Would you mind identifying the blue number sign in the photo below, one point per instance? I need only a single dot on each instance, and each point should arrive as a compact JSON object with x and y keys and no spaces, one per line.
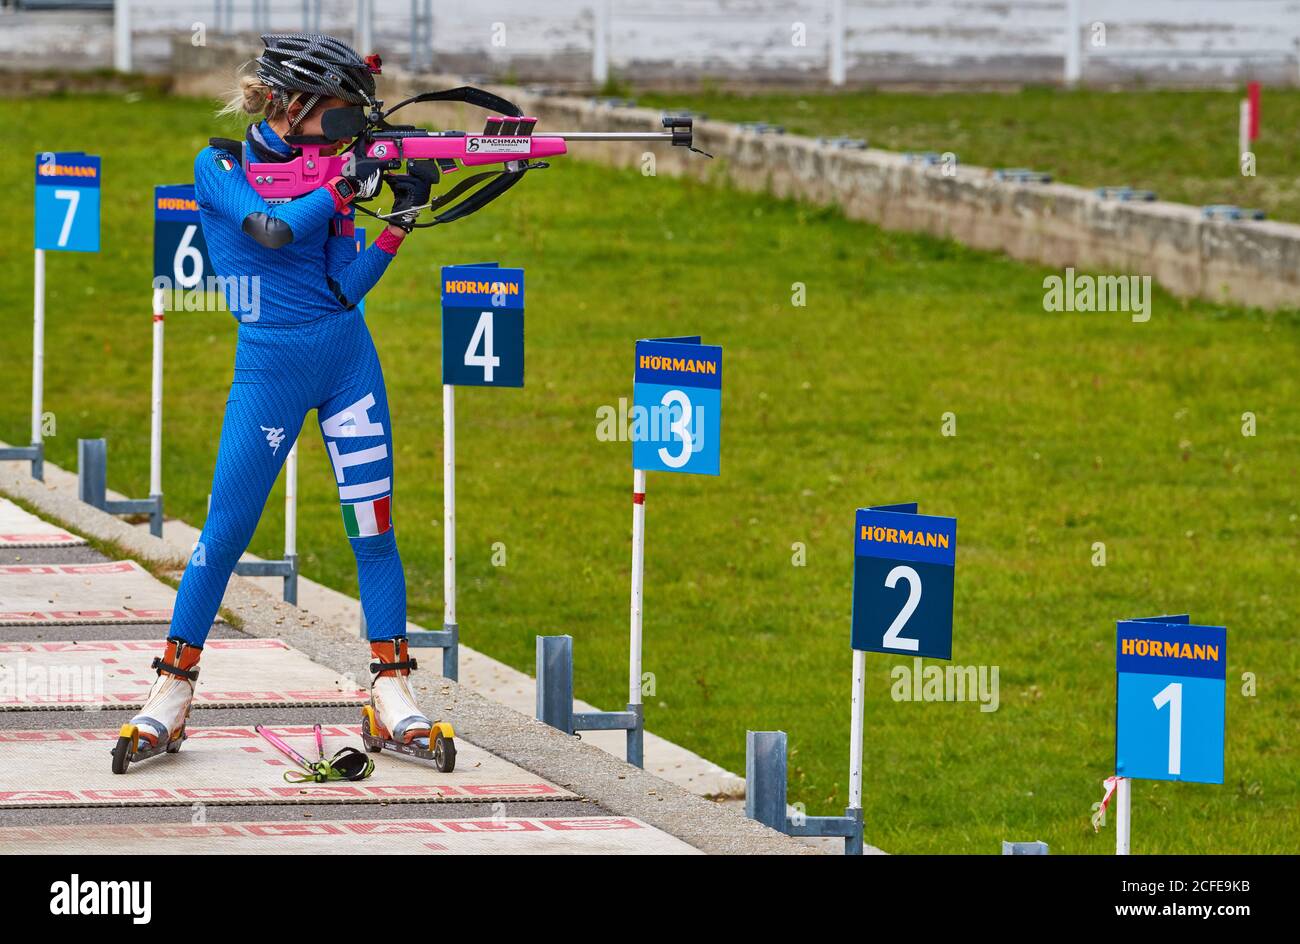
{"x":180,"y":253}
{"x":482,"y":326}
{"x":677,"y":406}
{"x":67,"y":201}
{"x":903,"y":567}
{"x":1169,"y":716}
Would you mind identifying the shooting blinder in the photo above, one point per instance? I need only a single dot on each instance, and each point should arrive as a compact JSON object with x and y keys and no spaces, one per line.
{"x":340,"y":124}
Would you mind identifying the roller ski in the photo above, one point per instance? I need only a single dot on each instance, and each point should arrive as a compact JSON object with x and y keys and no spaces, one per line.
{"x":392,"y":720}
{"x":160,"y":726}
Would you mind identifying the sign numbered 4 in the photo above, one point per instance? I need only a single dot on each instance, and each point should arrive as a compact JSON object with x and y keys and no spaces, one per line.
{"x":180,"y":253}
{"x":67,"y":201}
{"x":677,"y":406}
{"x":1170,"y":693}
{"x":903,"y":566}
{"x":482,"y":326}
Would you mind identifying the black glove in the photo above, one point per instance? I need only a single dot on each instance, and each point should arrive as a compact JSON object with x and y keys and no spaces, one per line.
{"x":367,"y":176}
{"x":361,"y":184}
{"x":410,"y":195}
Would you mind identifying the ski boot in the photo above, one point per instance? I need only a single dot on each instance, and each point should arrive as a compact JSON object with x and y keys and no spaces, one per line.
{"x":160,"y":725}
{"x":392,"y":720}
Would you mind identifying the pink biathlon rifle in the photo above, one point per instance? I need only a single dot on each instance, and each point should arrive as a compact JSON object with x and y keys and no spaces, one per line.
{"x":507,"y":139}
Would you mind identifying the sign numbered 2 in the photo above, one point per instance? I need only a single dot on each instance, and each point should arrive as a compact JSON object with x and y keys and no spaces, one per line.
{"x":67,"y":201}
{"x":677,"y":406}
{"x":903,"y":566}
{"x":482,"y":326}
{"x":1170,"y":693}
{"x":180,"y":253}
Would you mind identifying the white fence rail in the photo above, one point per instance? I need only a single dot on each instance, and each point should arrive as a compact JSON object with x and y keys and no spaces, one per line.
{"x":814,"y":41}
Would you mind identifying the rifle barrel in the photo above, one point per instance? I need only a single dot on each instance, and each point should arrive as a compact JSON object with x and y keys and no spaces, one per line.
{"x":608,"y":135}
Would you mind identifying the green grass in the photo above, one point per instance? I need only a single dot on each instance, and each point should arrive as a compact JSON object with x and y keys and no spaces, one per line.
{"x":1072,"y":428}
{"x":1181,"y":144}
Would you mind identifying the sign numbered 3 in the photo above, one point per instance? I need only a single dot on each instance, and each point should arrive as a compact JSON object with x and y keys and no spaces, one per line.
{"x":903,"y":566}
{"x":482,"y":326}
{"x":67,"y":201}
{"x":180,"y":253}
{"x":677,"y":406}
{"x":1170,"y":693}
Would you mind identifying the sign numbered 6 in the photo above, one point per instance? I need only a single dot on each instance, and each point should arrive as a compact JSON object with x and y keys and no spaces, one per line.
{"x":677,"y":406}
{"x":180,"y":253}
{"x":1170,"y":693}
{"x":482,"y":326}
{"x":903,"y":566}
{"x":67,"y":201}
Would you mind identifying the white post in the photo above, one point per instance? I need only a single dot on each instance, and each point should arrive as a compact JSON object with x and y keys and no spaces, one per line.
{"x":1243,"y":131}
{"x":837,"y":70}
{"x":365,"y":27}
{"x":600,"y":42}
{"x":1122,"y":820}
{"x":38,"y":346}
{"x":638,"y":577}
{"x":156,"y":400}
{"x":1073,"y":46}
{"x":855,"y":729}
{"x":448,"y":505}
{"x":122,"y":35}
{"x":291,"y":502}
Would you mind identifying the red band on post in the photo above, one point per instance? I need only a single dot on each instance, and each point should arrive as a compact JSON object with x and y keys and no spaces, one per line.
{"x":638,"y":498}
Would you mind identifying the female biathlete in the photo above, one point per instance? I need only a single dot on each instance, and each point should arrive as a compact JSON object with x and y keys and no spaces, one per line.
{"x":304,"y":346}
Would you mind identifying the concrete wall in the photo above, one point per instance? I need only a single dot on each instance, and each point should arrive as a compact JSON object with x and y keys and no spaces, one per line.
{"x":749,"y":41}
{"x":1247,"y":263}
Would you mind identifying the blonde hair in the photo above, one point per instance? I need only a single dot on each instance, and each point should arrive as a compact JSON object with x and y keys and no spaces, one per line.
{"x":252,"y":96}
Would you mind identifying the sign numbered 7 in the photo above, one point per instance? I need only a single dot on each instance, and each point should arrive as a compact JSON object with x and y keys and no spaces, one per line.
{"x":67,"y":201}
{"x":903,"y":567}
{"x":482,"y":326}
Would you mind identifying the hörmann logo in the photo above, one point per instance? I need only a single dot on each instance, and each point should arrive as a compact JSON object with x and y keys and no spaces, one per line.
{"x":66,"y":170}
{"x":903,"y":536}
{"x":178,"y":203}
{"x":1168,"y":649}
{"x":688,"y":365}
{"x":453,"y":286}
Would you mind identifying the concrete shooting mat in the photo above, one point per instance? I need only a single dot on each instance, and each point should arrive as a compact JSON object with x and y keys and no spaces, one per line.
{"x":71,"y":594}
{"x":234,"y":673}
{"x":235,"y":766}
{"x":19,"y":528}
{"x":587,"y":835}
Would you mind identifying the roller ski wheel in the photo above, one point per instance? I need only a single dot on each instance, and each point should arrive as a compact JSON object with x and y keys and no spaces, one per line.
{"x":127,"y":750}
{"x":373,"y":742}
{"x":441,"y":746}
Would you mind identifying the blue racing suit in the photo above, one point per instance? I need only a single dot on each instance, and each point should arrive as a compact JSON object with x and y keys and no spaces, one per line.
{"x":302,"y":345}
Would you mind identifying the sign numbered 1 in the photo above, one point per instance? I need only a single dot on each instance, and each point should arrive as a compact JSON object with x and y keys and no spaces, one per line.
{"x":1170,"y":693}
{"x":482,"y":326}
{"x":677,"y":406}
{"x":903,"y":566}
{"x":180,"y":253}
{"x":67,"y":201}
